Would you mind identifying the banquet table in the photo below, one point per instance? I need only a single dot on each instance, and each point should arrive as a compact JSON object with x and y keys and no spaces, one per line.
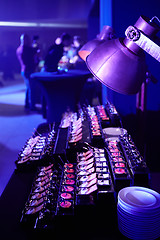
{"x":61,"y":90}
{"x":88,"y":223}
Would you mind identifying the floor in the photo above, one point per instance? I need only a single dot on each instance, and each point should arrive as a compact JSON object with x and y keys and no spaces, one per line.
{"x":16,"y":125}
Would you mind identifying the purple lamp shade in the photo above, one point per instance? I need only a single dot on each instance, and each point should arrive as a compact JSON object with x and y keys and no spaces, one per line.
{"x":107,"y":33}
{"x":120,"y":63}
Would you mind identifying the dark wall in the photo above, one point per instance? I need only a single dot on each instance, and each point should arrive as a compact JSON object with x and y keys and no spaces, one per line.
{"x":94,"y":20}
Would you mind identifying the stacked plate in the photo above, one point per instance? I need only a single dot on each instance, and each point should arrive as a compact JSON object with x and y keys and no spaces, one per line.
{"x":138,"y":212}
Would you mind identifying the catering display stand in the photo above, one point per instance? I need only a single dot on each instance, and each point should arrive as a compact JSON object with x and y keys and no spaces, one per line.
{"x":69,"y":191}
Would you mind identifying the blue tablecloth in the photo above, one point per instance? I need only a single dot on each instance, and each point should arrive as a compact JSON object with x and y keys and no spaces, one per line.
{"x":61,"y":90}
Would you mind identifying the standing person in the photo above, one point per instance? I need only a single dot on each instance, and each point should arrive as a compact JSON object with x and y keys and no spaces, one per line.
{"x":26,"y":56}
{"x":73,"y":56}
{"x":55,"y":53}
{"x":37,"y":47}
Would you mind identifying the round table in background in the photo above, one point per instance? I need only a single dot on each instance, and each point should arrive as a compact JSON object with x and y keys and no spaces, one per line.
{"x":61,"y":91}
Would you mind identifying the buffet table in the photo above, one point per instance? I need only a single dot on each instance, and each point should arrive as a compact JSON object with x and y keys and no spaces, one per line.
{"x":66,"y":187}
{"x":60,"y":90}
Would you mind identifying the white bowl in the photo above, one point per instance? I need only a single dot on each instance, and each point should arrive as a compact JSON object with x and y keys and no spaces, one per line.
{"x":113,"y":132}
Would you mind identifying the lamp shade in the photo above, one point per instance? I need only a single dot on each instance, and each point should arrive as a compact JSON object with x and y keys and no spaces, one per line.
{"x":107,"y":33}
{"x":120,"y":63}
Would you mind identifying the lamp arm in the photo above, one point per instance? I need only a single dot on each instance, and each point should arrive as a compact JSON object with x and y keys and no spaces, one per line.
{"x":135,"y":35}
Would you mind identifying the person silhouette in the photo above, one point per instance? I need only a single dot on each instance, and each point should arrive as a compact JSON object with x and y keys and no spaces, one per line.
{"x":55,"y":53}
{"x":26,"y":56}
